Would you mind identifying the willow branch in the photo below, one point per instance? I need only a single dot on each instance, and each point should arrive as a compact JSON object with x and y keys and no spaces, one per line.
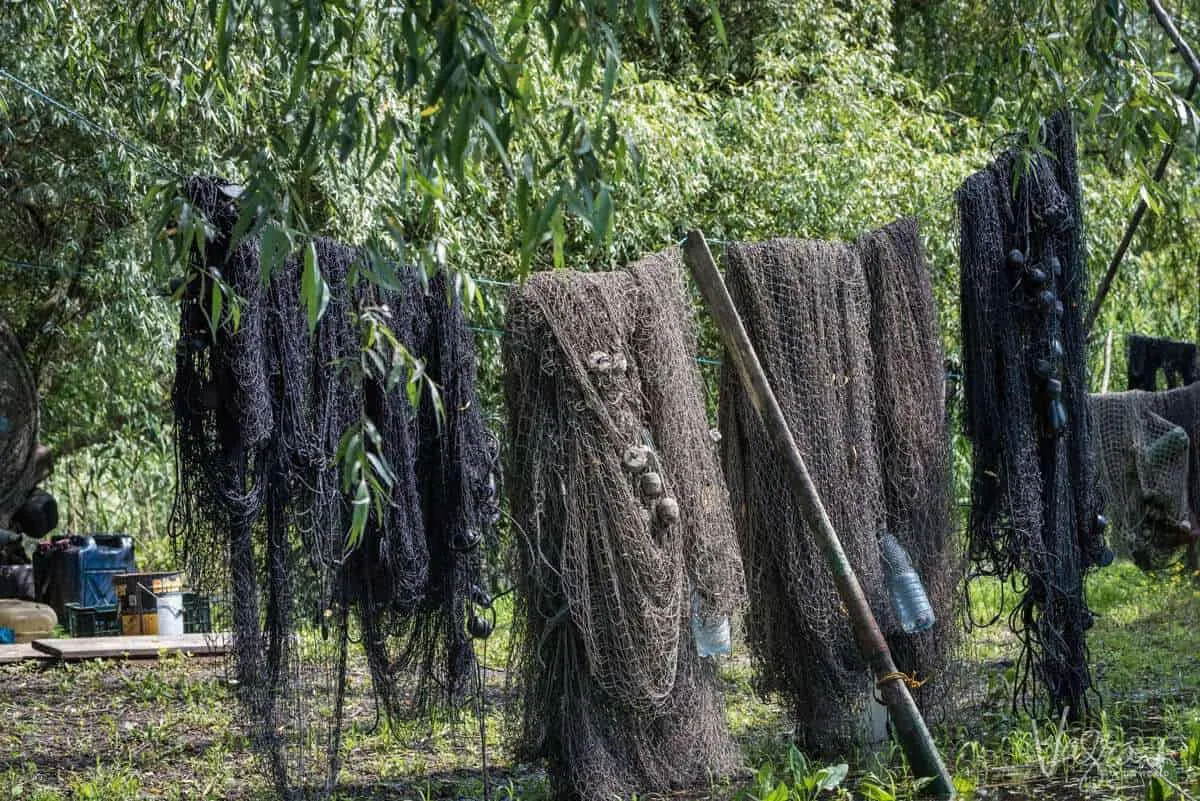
{"x":1139,"y":212}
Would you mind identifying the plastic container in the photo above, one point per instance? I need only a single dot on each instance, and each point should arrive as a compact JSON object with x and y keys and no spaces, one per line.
{"x":170,"y":614}
{"x":197,"y":614}
{"x":909,"y":600}
{"x":93,"y":621}
{"x":80,"y":570}
{"x":711,"y":636}
{"x":28,"y":620}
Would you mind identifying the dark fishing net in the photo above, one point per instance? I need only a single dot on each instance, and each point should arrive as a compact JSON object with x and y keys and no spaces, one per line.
{"x":1149,"y":358}
{"x":1033,"y":501}
{"x":18,"y":425}
{"x":847,"y":336}
{"x":622,"y":520}
{"x":263,"y":408}
{"x":1147,"y":451}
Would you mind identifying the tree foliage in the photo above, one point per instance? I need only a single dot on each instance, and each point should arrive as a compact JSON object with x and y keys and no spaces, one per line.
{"x":498,"y":138}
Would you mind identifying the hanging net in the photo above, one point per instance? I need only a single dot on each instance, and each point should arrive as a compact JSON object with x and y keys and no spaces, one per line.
{"x":1148,"y":358}
{"x":623,"y":524}
{"x":847,"y":336}
{"x":1147,"y":450}
{"x":18,"y":425}
{"x":267,"y":418}
{"x":1033,"y":504}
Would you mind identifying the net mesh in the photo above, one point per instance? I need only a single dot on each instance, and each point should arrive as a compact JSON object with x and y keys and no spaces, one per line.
{"x":847,"y":336}
{"x":1147,"y":449}
{"x":622,"y":513}
{"x":1148,"y":358}
{"x":1033,"y":504}
{"x":18,"y":425}
{"x":263,"y":408}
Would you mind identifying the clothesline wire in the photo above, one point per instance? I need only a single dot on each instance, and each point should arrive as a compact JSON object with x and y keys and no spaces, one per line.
{"x":79,"y":117}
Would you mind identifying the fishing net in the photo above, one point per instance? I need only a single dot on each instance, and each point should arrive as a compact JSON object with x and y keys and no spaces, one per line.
{"x":1147,"y":451}
{"x":624,"y":523}
{"x":1149,"y":357}
{"x":1033,"y":503}
{"x":847,"y":336}
{"x":18,"y":425}
{"x":263,"y":411}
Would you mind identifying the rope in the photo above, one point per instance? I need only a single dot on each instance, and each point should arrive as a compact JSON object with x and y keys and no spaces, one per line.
{"x":910,"y":679}
{"x":81,"y":119}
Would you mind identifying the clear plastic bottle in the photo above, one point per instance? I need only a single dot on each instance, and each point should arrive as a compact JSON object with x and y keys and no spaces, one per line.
{"x":909,"y":601}
{"x":711,"y":636}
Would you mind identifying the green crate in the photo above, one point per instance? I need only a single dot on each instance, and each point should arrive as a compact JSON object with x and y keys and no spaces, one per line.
{"x":93,"y":621}
{"x":197,"y":614}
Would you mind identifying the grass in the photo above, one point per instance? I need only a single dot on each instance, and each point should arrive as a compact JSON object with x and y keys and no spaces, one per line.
{"x":114,"y":731}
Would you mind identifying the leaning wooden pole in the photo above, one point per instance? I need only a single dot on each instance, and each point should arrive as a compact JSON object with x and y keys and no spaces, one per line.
{"x":913,"y":734}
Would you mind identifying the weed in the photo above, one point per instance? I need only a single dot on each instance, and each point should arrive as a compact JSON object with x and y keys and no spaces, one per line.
{"x":107,"y":783}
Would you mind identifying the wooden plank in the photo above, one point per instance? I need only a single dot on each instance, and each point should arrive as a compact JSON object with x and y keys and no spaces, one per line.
{"x":10,"y":654}
{"x":143,"y":647}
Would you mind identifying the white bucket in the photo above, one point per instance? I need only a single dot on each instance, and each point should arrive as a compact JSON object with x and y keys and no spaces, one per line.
{"x":170,"y":614}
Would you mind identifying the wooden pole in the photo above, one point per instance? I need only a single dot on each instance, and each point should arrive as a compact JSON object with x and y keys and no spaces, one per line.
{"x":911,"y":731}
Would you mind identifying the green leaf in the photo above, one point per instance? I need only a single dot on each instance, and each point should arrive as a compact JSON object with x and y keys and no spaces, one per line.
{"x":831,"y":778}
{"x":603,"y":217}
{"x":1158,"y":790}
{"x":313,"y":289}
{"x":873,"y":791}
{"x":361,"y":510}
{"x":718,"y":23}
{"x":276,"y":244}
{"x":216,"y":304}
{"x":226,"y":24}
{"x":559,"y":232}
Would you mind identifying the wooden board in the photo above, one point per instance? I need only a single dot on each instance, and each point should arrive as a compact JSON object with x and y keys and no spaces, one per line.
{"x":10,"y":654}
{"x":134,"y":647}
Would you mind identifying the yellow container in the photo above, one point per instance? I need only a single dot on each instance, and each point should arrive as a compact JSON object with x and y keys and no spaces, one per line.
{"x":136,"y":623}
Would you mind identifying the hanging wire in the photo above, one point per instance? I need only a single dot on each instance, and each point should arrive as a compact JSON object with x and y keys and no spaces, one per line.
{"x":78,"y":116}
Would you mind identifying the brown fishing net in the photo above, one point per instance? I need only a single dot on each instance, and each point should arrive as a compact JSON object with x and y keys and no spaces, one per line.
{"x":1033,"y":503}
{"x":847,"y":336}
{"x":622,"y":519}
{"x":1147,"y":450}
